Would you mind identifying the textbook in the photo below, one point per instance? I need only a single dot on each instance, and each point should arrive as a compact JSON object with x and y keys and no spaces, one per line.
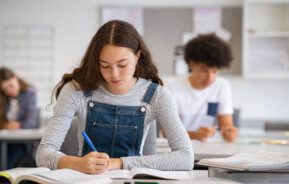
{"x":44,"y":176}
{"x":141,"y":173}
{"x":259,"y":161}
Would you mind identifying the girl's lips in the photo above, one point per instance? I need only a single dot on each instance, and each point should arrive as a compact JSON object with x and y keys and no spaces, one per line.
{"x":116,"y":81}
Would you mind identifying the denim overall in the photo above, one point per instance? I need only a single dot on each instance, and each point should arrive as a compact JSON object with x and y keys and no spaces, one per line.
{"x":116,"y":130}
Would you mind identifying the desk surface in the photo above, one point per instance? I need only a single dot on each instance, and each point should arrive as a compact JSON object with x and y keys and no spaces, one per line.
{"x":246,"y":142}
{"x":27,"y":136}
{"x":21,"y":134}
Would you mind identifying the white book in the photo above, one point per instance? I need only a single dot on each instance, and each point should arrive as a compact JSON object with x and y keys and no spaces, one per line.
{"x":147,"y":173}
{"x":44,"y":175}
{"x":259,"y":161}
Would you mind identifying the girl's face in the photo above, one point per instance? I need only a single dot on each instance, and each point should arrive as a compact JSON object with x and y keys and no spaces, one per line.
{"x":11,"y":87}
{"x":117,"y":67}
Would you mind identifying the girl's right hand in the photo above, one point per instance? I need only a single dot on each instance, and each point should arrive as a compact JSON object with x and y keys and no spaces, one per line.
{"x":92,"y":163}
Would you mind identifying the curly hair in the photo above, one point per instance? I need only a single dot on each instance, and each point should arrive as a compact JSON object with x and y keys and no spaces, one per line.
{"x":118,"y":33}
{"x":210,"y":50}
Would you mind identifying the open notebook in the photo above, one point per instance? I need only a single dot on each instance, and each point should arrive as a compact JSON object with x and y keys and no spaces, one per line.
{"x":45,"y":175}
{"x":259,"y":161}
{"x":136,"y":173}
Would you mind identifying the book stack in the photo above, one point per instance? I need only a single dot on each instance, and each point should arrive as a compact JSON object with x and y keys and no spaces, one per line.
{"x":268,"y":167}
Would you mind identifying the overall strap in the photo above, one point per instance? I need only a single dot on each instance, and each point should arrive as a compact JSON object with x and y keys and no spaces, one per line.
{"x":150,"y":92}
{"x":87,"y":93}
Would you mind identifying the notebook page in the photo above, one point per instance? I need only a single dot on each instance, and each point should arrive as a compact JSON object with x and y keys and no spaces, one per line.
{"x":124,"y":174}
{"x":250,"y":160}
{"x":71,"y":176}
{"x":14,"y":173}
{"x":258,"y":159}
{"x":161,"y":174}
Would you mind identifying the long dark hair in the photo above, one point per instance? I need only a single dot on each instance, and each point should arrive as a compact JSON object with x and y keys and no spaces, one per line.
{"x":6,"y":74}
{"x":118,"y":33}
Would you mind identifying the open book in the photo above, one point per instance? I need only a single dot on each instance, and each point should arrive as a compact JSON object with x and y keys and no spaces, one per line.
{"x":44,"y":175}
{"x":146,"y":173}
{"x":260,"y":161}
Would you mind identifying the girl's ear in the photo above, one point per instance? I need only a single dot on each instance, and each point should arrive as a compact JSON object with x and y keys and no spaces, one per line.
{"x":138,"y":55}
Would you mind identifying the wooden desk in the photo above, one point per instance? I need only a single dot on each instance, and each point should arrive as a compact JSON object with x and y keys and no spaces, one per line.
{"x":17,"y":136}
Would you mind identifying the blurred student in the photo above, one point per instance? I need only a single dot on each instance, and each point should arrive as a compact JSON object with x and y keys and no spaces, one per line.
{"x":17,"y":109}
{"x":204,"y":98}
{"x":116,"y":94}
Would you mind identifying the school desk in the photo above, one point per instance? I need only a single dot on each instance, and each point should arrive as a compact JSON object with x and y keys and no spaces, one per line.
{"x":27,"y":136}
{"x":247,"y":141}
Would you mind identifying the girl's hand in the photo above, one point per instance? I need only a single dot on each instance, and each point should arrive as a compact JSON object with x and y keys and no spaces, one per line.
{"x":115,"y":163}
{"x":92,"y":163}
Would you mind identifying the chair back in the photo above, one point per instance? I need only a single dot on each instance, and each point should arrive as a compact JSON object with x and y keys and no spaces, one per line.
{"x":70,"y":144}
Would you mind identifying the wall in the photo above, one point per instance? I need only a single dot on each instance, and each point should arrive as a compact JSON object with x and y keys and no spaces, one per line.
{"x":163,"y":31}
{"x":75,"y":23}
{"x":261,"y":99}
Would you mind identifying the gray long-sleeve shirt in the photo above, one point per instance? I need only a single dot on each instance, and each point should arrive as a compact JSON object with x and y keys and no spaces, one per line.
{"x":72,"y":102}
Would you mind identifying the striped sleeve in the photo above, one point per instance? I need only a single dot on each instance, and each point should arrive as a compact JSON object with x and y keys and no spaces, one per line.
{"x":181,"y":157}
{"x":48,"y":153}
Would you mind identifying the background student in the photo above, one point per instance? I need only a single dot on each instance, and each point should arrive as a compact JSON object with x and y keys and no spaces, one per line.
{"x":116,"y":94}
{"x":203,"y":97}
{"x":17,"y":109}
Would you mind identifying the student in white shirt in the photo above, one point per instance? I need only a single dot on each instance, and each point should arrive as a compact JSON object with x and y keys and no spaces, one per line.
{"x":203,"y":98}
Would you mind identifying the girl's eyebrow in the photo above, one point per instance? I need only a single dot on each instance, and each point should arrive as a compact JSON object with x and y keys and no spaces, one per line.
{"x":121,"y":60}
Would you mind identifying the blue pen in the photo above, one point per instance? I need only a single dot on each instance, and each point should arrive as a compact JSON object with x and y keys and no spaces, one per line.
{"x":88,"y":141}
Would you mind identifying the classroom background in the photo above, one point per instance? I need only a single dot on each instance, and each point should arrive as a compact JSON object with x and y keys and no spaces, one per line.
{"x":41,"y":40}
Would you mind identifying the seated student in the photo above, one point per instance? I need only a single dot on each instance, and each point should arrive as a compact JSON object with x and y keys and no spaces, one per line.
{"x":17,"y":109}
{"x":203,"y":97}
{"x":116,"y":94}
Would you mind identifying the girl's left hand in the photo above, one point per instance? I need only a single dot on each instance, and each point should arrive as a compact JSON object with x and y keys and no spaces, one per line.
{"x":114,"y":163}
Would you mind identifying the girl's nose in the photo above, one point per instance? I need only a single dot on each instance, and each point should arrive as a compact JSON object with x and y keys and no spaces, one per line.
{"x":114,"y":72}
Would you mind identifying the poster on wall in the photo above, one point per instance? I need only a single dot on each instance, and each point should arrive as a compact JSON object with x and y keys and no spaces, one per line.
{"x":133,"y":15}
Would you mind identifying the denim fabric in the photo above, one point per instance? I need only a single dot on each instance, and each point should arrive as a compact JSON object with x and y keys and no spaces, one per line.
{"x":212,"y":108}
{"x":27,"y":109}
{"x":116,"y":130}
